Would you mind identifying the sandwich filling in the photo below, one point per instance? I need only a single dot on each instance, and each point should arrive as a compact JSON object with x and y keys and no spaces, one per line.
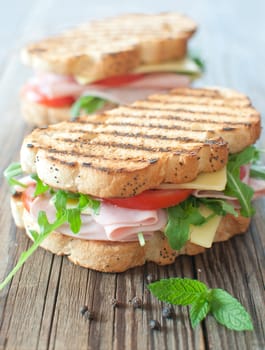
{"x":59,"y":91}
{"x":190,"y":211}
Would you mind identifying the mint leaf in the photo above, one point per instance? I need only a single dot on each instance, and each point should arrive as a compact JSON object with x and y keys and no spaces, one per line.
{"x":40,"y":186}
{"x":229,"y":312}
{"x":11,"y":172}
{"x":178,"y":291}
{"x":199,"y":310}
{"x":226,"y":309}
{"x":88,"y":104}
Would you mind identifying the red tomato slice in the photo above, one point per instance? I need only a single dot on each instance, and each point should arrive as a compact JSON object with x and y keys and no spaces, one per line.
{"x":57,"y":102}
{"x":152,"y":199}
{"x":119,"y":80}
{"x":28,"y":196}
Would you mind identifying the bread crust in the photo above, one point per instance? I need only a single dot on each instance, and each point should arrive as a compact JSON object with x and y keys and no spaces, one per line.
{"x":40,"y":115}
{"x":112,"y":46}
{"x":106,"y":256}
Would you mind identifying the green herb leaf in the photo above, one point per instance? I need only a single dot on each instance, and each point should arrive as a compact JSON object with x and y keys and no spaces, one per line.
{"x":40,"y":186}
{"x":241,"y":191}
{"x":226,"y":309}
{"x":197,"y":59}
{"x":12,"y":171}
{"x":88,"y":104}
{"x":74,"y":219}
{"x":257,"y":171}
{"x":178,"y":291}
{"x":235,"y":187}
{"x":219,"y":206}
{"x":199,"y":310}
{"x":229,"y":312}
{"x":180,"y":217}
{"x":63,"y":215}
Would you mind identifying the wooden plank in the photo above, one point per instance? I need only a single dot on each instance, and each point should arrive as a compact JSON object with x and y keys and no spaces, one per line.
{"x":41,"y":307}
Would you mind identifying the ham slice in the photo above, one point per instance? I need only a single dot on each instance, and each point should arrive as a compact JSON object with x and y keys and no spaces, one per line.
{"x":112,"y":223}
{"x":55,"y":86}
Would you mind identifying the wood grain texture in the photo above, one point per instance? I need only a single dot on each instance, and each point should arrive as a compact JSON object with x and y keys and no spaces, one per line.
{"x":40,"y":309}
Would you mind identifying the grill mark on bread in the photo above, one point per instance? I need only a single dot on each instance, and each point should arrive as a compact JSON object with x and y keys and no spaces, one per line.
{"x":130,"y":146}
{"x":187,"y":108}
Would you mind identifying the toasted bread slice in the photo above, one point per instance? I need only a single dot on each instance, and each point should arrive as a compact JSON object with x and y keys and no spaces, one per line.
{"x":112,"y":46}
{"x":107,"y":256}
{"x":168,"y":138}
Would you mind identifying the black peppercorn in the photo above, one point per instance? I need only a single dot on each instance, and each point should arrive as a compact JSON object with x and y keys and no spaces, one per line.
{"x":167,"y":312}
{"x":136,"y":302}
{"x":150,"y":278}
{"x":115,"y":302}
{"x":87,"y":314}
{"x":83,"y":310}
{"x":154,"y":324}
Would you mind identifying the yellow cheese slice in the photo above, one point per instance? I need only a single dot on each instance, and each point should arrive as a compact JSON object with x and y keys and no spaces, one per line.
{"x":204,"y":235}
{"x":184,"y":66}
{"x":205,"y":181}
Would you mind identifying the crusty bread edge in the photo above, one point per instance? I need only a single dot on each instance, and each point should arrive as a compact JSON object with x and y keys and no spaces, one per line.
{"x":40,"y":115}
{"x":106,"y":256}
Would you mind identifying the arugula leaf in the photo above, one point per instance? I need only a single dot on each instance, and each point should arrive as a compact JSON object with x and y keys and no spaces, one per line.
{"x":63,"y":215}
{"x":12,"y":171}
{"x":244,"y":193}
{"x":197,"y":59}
{"x":40,"y":186}
{"x":257,"y":171}
{"x":219,"y":206}
{"x":180,"y":217}
{"x":89,"y":104}
{"x":226,"y":309}
{"x":235,"y":187}
{"x":45,"y":230}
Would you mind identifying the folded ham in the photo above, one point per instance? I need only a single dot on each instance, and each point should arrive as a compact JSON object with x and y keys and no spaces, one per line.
{"x":112,"y":223}
{"x":55,"y":86}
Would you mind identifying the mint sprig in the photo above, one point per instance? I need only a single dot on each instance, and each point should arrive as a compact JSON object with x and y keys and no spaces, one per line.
{"x":88,"y":104}
{"x":226,"y":309}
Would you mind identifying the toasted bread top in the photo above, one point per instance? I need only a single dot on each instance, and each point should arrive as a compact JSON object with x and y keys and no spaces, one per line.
{"x":167,"y":138}
{"x":113,"y":46}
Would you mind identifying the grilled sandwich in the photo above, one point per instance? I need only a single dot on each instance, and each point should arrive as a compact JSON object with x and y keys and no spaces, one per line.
{"x":161,"y":177}
{"x":107,"y":62}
